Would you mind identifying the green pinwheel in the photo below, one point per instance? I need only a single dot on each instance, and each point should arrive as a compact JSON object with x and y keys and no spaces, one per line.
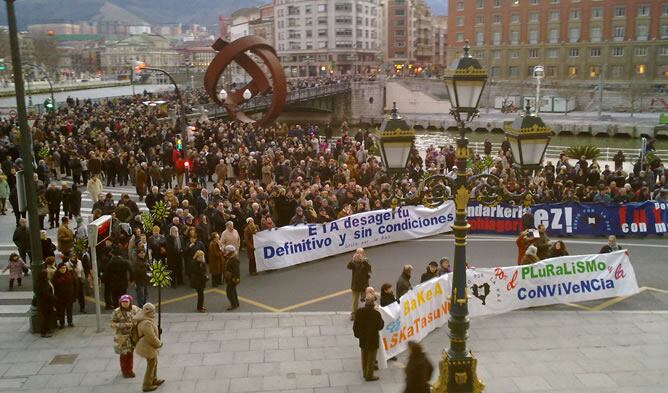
{"x":159,"y":211}
{"x":159,"y":276}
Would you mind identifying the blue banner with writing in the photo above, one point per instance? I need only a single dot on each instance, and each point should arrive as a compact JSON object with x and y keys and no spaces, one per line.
{"x":564,"y":219}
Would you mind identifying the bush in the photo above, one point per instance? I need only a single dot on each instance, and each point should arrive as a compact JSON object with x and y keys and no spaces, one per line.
{"x":588,"y":151}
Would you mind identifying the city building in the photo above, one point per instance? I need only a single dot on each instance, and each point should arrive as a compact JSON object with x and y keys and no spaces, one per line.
{"x":578,"y":40}
{"x":117,"y":58}
{"x":415,"y":39}
{"x":317,"y":37}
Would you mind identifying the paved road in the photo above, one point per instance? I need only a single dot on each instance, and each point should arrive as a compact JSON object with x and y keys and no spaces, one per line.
{"x":323,"y":285}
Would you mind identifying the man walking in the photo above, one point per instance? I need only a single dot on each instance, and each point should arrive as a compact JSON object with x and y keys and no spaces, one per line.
{"x":404,"y":281}
{"x":366,"y":326}
{"x":148,"y":346}
{"x":232,"y":276}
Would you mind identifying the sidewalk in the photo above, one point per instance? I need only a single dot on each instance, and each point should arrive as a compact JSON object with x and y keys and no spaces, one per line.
{"x":540,"y":351}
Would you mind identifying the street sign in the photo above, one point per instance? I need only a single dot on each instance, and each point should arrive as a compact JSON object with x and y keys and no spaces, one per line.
{"x":99,"y":230}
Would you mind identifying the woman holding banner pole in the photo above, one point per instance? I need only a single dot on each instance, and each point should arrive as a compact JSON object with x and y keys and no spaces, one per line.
{"x":361,"y":272}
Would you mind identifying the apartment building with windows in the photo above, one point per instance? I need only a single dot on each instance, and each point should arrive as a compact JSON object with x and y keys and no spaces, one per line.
{"x":316,"y":37}
{"x":572,"y":39}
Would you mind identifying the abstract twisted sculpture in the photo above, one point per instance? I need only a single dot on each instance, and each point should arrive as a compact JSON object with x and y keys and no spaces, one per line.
{"x":259,"y":84}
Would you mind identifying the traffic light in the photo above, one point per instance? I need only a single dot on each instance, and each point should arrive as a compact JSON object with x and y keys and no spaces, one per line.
{"x":48,"y":105}
{"x":3,"y":66}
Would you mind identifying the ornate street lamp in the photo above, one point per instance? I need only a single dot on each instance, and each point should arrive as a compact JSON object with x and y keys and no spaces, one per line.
{"x":396,"y":142}
{"x":528,"y":137}
{"x":465,"y":82}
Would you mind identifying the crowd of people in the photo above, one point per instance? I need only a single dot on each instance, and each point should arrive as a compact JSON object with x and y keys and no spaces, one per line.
{"x":216,"y":188}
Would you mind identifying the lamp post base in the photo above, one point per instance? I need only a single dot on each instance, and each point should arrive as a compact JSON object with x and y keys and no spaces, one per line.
{"x":458,"y":375}
{"x":35,"y":320}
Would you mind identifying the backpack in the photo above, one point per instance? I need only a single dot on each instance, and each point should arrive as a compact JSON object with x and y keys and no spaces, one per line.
{"x":134,"y":334}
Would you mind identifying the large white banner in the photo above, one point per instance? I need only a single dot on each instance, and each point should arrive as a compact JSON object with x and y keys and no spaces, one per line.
{"x":292,"y":245}
{"x":567,"y":279}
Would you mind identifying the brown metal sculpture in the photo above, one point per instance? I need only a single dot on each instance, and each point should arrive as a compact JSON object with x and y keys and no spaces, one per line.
{"x":260,"y":84}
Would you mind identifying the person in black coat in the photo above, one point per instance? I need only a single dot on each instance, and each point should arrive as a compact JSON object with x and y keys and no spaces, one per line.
{"x":432,"y":271}
{"x":418,"y":370}
{"x":175,"y":248}
{"x":21,"y":238}
{"x":232,"y":276}
{"x":119,"y":274}
{"x":75,"y":201}
{"x":46,"y":301}
{"x":48,"y":248}
{"x":192,"y":245}
{"x":361,"y":272}
{"x":366,"y":326}
{"x":198,"y":278}
{"x":65,"y":290}
{"x":386,"y":295}
{"x":404,"y":281}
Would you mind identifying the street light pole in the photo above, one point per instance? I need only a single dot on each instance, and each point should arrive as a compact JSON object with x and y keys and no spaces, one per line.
{"x":27,"y":158}
{"x":48,"y":79}
{"x":181,"y":112}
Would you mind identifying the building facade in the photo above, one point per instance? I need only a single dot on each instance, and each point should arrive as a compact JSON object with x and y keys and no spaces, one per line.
{"x":573,"y":40}
{"x":117,"y":59}
{"x":318,"y":37}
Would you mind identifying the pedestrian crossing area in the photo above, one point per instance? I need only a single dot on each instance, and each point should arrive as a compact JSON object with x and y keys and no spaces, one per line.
{"x":17,"y":303}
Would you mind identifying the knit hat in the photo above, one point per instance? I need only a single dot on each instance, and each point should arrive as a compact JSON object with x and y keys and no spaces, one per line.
{"x":125,"y":298}
{"x":149,"y":309}
{"x":531,"y":250}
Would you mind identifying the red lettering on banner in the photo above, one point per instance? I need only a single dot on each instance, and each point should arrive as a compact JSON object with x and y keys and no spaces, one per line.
{"x":619,"y":272}
{"x":499,"y":273}
{"x":513,"y":281}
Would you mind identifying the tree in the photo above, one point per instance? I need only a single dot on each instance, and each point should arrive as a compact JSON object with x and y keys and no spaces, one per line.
{"x":637,"y":92}
{"x":46,"y":52}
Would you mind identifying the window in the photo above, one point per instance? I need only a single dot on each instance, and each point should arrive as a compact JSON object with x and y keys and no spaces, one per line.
{"x":552,"y":53}
{"x":533,"y":2}
{"x":618,"y":33}
{"x":641,"y":51}
{"x":597,"y":13}
{"x":663,"y":51}
{"x":322,"y":33}
{"x":497,"y":19}
{"x":309,"y":33}
{"x":574,"y":34}
{"x":573,"y":52}
{"x":460,"y":37}
{"x":550,"y":71}
{"x":554,"y":1}
{"x":480,"y":4}
{"x":532,"y":53}
{"x":554,"y":16}
{"x":307,"y":9}
{"x":617,"y":71}
{"x":343,"y":7}
{"x":595,"y":52}
{"x":594,"y":71}
{"x":496,"y":38}
{"x":664,"y":32}
{"x":617,"y":51}
{"x":572,"y":71}
{"x":640,"y":69}
{"x":322,"y":20}
{"x":514,"y":54}
{"x":533,"y":17}
{"x":533,"y":36}
{"x":514,"y":37}
{"x":620,"y":11}
{"x":460,"y":6}
{"x":553,"y":37}
{"x":595,"y":35}
{"x":574,"y":14}
{"x":494,"y":72}
{"x":292,"y":10}
{"x":643,"y":10}
{"x":400,"y":12}
{"x":479,"y":38}
{"x":459,"y":20}
{"x":665,"y":10}
{"x":641,"y":32}
{"x":322,"y":8}
{"x":530,"y":71}
{"x":496,"y":54}
{"x":515,"y":18}
{"x":497,"y":3}
{"x":513,"y":72}
{"x":479,"y":19}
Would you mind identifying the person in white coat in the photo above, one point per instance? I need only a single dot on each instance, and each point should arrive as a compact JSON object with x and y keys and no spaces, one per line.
{"x":94,"y":188}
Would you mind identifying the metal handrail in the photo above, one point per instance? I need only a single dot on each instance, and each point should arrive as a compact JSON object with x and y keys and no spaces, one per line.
{"x":553,"y":151}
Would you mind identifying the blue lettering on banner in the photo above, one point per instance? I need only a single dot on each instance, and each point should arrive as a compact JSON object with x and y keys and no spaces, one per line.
{"x":593,"y":219}
{"x":565,"y":288}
